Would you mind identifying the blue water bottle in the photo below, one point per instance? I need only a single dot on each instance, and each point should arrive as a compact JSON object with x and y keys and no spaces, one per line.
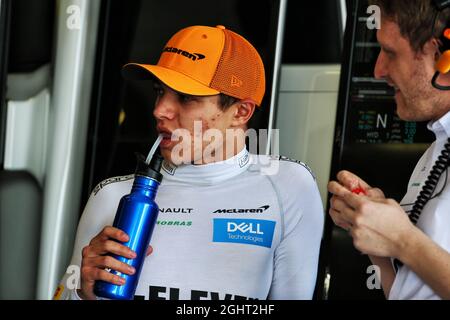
{"x":136,"y":216}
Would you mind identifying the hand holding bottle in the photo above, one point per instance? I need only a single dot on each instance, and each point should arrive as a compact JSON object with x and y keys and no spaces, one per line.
{"x":96,"y":258}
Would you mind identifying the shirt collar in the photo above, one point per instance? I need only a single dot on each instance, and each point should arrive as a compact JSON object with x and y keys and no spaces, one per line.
{"x":208,"y":174}
{"x":441,"y":127}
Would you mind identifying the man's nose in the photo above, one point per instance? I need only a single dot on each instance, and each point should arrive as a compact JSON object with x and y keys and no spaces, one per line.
{"x":164,"y":108}
{"x":380,"y":71}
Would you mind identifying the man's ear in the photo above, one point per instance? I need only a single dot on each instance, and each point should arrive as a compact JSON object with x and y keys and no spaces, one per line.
{"x":431,"y":49}
{"x":243,"y":112}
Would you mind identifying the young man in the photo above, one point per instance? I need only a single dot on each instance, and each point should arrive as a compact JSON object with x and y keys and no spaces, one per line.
{"x":380,"y":227}
{"x":227,"y":228}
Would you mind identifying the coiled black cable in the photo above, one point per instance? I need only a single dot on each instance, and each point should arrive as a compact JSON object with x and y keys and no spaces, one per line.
{"x":430,"y":185}
{"x":437,"y":85}
{"x":441,"y":164}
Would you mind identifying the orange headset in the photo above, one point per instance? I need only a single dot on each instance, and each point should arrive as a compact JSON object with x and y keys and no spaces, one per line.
{"x":443,"y":64}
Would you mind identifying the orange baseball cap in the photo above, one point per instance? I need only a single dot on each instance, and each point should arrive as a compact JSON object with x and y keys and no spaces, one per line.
{"x":205,"y":61}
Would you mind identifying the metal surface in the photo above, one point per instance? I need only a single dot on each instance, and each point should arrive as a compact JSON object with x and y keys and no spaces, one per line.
{"x":74,"y":64}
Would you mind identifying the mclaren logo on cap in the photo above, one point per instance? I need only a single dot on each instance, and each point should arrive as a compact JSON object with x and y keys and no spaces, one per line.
{"x":192,"y":56}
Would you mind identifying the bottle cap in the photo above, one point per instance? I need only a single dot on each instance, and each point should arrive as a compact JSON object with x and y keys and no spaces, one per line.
{"x":151,"y":170}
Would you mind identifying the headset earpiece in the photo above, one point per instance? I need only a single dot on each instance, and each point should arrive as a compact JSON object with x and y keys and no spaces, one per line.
{"x":443,"y":64}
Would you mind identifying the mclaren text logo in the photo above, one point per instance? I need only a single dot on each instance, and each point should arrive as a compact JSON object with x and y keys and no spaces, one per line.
{"x":192,"y":56}
{"x":258,"y":210}
{"x":250,"y":228}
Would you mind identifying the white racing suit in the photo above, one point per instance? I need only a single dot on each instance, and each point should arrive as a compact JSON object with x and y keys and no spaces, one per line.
{"x":246,"y":228}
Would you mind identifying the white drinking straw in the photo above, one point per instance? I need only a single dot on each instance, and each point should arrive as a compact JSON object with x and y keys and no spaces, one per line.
{"x":153,"y":149}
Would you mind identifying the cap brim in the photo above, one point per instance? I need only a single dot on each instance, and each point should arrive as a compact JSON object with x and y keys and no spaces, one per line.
{"x":173,"y":79}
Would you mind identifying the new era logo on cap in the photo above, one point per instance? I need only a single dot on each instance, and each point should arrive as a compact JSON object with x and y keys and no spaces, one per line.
{"x":236,"y":82}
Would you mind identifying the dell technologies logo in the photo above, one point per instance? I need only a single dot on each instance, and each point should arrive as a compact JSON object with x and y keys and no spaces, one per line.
{"x":245,"y":228}
{"x":192,"y":56}
{"x":245,"y":231}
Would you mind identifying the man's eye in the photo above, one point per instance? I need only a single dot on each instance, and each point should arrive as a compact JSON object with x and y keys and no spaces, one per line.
{"x":158,"y":90}
{"x":184,"y":98}
{"x":389,"y":53}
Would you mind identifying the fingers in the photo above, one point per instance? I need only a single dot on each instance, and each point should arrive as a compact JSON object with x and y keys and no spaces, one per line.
{"x":353,"y":208}
{"x":337,"y":189}
{"x":108,"y":262}
{"x":375,"y":193}
{"x":111,"y":233}
{"x":337,"y":205}
{"x":343,"y":210}
{"x":93,"y":269}
{"x":351,"y":180}
{"x":354,"y":201}
{"x":94,"y":262}
{"x":338,"y":220}
{"x":92,"y":274}
{"x":105,"y":247}
{"x":359,"y":208}
{"x":149,"y":251}
{"x":97,"y":259}
{"x":103,"y":244}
